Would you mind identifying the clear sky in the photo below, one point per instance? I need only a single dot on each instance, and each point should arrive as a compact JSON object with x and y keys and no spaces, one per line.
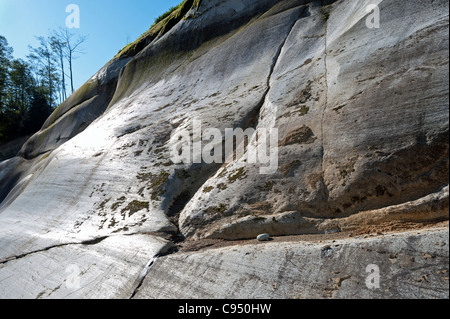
{"x":109,"y":25}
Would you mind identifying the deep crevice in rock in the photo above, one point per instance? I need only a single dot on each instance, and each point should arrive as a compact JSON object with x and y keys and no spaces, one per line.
{"x":251,"y":120}
{"x":12,"y":258}
{"x":174,"y":211}
{"x":325,"y":13}
{"x":89,"y":242}
{"x":94,"y":241}
{"x":142,"y":275}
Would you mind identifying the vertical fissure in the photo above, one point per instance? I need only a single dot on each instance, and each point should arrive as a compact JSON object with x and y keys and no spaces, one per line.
{"x":257,"y":110}
{"x":177,"y":205}
{"x":326,"y":17}
{"x":143,"y":274}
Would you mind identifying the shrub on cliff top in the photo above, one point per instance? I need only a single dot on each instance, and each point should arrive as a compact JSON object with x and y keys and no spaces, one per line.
{"x":161,"y":26}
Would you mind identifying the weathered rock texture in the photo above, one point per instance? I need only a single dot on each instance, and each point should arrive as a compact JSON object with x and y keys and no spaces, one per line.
{"x":10,"y":149}
{"x":410,"y":265}
{"x":363,"y":122}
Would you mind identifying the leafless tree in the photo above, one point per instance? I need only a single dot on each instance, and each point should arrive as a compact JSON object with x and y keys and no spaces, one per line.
{"x":71,"y":46}
{"x":46,"y":66}
{"x":58,"y":48}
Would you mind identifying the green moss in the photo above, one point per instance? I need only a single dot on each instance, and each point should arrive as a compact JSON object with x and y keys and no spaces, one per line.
{"x":154,"y":195}
{"x":304,"y":110}
{"x":208,"y":189}
{"x":222,"y":173}
{"x":41,"y":137}
{"x":84,"y":93}
{"x":112,"y":223}
{"x":102,"y":204}
{"x":325,"y":13}
{"x":45,"y":156}
{"x":216,"y":210}
{"x":238,"y":174}
{"x":157,"y":184}
{"x":222,"y":186}
{"x":144,"y":177}
{"x":165,"y":14}
{"x":160,"y":179}
{"x":118,"y":203}
{"x":161,"y":26}
{"x":135,"y":206}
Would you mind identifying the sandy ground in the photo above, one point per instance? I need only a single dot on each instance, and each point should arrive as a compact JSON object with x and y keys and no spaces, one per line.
{"x":363,"y":232}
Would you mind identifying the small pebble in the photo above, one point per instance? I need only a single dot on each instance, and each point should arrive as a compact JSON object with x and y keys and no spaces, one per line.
{"x":263,"y":237}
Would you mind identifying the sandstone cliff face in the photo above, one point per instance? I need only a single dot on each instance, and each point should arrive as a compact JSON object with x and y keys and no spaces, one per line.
{"x":362,"y":120}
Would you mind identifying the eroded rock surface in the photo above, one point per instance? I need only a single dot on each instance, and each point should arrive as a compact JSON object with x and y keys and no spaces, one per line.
{"x":409,"y":265}
{"x":362,"y":119}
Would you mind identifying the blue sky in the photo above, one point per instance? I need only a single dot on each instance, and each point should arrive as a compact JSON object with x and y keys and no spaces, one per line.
{"x":109,"y":25}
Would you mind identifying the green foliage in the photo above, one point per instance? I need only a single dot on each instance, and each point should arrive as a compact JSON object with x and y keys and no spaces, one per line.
{"x":38,"y":111}
{"x":161,"y":26}
{"x":5,"y":61}
{"x":24,"y":102}
{"x":30,"y":90}
{"x":45,"y":62}
{"x":165,"y":15}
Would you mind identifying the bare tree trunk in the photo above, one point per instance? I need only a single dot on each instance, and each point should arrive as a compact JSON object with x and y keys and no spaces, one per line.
{"x":70,"y":68}
{"x":71,"y":47}
{"x":50,"y":81}
{"x":63,"y":80}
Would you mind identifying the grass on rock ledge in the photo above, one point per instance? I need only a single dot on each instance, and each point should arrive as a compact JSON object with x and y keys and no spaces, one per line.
{"x":162,"y":25}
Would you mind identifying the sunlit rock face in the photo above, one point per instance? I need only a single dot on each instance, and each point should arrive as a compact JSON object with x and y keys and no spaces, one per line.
{"x":361,"y":115}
